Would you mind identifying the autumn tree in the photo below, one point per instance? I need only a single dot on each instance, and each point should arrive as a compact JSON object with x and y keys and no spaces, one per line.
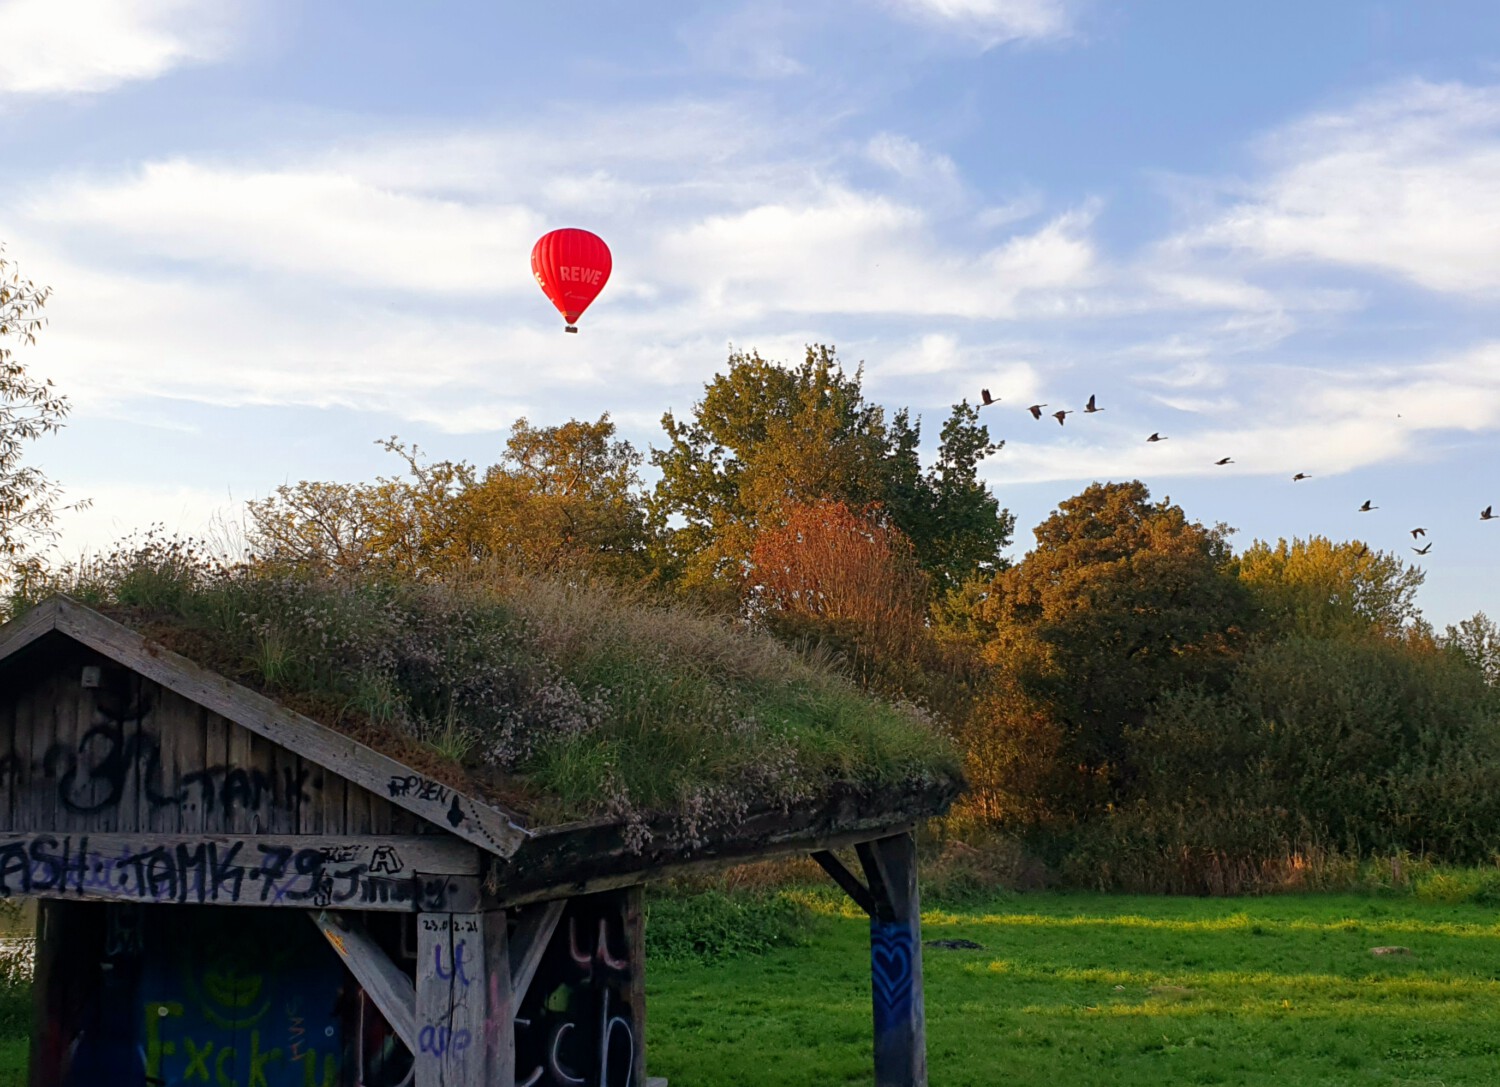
{"x":847,"y":580}
{"x":1122,"y":599}
{"x":767,"y":438}
{"x":560,"y":498}
{"x":1320,"y":589}
{"x":409,"y":523}
{"x":29,"y":408}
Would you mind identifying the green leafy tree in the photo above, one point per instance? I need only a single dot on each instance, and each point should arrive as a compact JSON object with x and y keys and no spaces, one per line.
{"x":1122,"y":599}
{"x":766,"y":438}
{"x":29,"y":408}
{"x":1477,"y":640}
{"x":1320,"y":589}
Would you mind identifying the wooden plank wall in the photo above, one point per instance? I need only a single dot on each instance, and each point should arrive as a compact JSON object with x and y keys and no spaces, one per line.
{"x":129,"y":755}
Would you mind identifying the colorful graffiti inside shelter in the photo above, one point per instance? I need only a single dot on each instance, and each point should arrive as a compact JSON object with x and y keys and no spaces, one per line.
{"x":239,"y":1001}
{"x":576,"y":1026}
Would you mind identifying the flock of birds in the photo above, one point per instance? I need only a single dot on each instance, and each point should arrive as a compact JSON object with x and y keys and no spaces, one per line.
{"x":1092,"y":408}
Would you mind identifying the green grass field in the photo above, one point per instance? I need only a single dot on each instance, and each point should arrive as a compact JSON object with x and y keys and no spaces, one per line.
{"x":1098,"y":990}
{"x":1108,"y":990}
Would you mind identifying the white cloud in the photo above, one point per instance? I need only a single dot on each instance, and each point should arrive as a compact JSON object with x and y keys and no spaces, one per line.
{"x":304,"y":222}
{"x":1406,"y":183}
{"x":993,"y":21}
{"x":1276,"y":421}
{"x":846,"y":251}
{"x":60,"y":47}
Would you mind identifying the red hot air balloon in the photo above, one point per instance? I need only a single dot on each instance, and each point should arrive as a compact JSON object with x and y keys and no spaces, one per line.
{"x":571,"y":266}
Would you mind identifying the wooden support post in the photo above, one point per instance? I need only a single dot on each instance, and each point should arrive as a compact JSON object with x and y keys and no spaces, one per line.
{"x":635,"y":939}
{"x":465,"y":1033}
{"x":896,"y":962}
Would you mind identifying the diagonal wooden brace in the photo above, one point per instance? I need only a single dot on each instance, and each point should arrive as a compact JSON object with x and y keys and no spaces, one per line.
{"x":847,"y":880}
{"x":386,"y":983}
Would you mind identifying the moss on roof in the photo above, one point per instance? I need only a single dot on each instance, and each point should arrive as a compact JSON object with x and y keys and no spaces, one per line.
{"x":563,"y":701}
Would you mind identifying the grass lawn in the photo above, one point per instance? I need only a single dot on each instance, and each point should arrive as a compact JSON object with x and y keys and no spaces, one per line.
{"x":1109,"y":990}
{"x":1084,"y":990}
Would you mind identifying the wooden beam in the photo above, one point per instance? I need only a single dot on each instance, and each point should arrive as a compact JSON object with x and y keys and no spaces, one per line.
{"x":300,"y":871}
{"x":485,"y":825}
{"x":387,"y":985}
{"x":896,"y":964}
{"x":561,"y":863}
{"x":529,"y":943}
{"x":17,"y":634}
{"x":465,"y":1015}
{"x":846,"y":879}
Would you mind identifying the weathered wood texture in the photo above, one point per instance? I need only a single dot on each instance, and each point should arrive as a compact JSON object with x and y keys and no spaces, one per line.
{"x":465,"y":1033}
{"x":587,"y":857}
{"x":256,"y":783}
{"x":393,"y":992}
{"x":386,"y":873}
{"x":635,"y":938}
{"x":133,"y":756}
{"x":529,"y":940}
{"x":896,"y":962}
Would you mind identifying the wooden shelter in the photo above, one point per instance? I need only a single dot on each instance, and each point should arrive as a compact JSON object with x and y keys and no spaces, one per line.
{"x":233,"y":893}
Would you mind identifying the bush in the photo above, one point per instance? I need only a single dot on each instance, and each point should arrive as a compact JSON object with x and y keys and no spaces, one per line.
{"x":714,"y":926}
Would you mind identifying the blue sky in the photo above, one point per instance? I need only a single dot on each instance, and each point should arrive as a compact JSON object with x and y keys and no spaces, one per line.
{"x":278,"y":232}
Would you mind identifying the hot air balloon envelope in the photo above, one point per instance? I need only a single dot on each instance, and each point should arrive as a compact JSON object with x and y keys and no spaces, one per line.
{"x":571,"y":266}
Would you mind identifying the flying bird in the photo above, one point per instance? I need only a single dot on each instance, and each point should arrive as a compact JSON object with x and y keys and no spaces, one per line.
{"x":1364,"y":549}
{"x":1487,"y":514}
{"x":1060,"y":416}
{"x":1366,"y":508}
{"x":984,"y":394}
{"x":1157,"y":438}
{"x":1090,"y":407}
{"x":1422,"y":550}
{"x":1300,"y":476}
{"x":1418,"y":532}
{"x":1036,"y":410}
{"x":1225,"y":460}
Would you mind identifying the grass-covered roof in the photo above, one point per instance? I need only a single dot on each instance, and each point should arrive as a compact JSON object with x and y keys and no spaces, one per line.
{"x":562,"y":701}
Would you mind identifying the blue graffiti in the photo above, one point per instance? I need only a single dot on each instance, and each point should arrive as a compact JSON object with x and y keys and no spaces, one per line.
{"x":890,"y":972}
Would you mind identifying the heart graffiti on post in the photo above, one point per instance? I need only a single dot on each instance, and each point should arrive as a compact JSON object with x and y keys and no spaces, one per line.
{"x":890,"y":972}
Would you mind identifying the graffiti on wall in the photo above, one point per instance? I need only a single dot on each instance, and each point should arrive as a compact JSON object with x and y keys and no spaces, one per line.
{"x":220,"y":870}
{"x":260,"y":1005}
{"x":119,"y":757}
{"x":576,"y":1026}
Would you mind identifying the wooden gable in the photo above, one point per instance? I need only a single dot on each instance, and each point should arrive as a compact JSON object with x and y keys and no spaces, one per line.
{"x":129,"y":773}
{"x":89,"y":746}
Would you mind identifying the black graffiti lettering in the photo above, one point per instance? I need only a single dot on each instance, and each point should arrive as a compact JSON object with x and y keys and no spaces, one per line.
{"x":272,"y":867}
{"x":385,"y":860}
{"x":208,"y":871}
{"x":196,"y":862}
{"x":161,"y":874}
{"x":15,"y":862}
{"x":226,"y":872}
{"x":417,"y":787}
